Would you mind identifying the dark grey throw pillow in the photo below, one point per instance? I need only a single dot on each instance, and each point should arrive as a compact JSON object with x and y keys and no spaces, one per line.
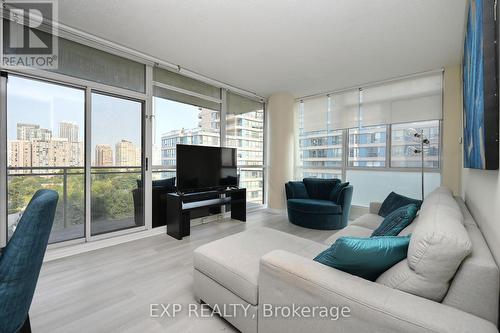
{"x":395,"y":201}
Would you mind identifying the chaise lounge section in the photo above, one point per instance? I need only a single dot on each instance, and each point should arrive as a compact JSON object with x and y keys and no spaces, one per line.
{"x":263,"y":266}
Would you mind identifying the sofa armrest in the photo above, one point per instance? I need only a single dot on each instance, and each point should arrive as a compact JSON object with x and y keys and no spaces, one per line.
{"x":287,"y":279}
{"x":375,"y":207}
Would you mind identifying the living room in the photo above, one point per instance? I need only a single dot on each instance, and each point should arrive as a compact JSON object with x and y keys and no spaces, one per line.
{"x":251,"y":166}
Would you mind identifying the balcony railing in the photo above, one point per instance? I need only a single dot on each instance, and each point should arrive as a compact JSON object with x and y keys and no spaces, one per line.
{"x":66,"y":221}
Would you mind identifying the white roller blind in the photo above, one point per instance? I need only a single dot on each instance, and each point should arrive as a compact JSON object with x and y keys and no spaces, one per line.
{"x":344,"y":109}
{"x":413,"y":99}
{"x":237,"y":104}
{"x":315,"y":114}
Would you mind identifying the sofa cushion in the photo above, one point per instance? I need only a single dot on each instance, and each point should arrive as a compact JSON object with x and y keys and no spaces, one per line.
{"x":314,"y":206}
{"x":365,"y":257}
{"x":335,"y":193}
{"x":396,"y":221}
{"x":441,"y":196}
{"x":233,"y":261}
{"x":319,"y":188}
{"x":475,"y":286}
{"x":438,"y":246}
{"x":370,"y":221}
{"x":352,"y":231}
{"x":395,"y":201}
{"x":297,"y":190}
{"x":409,"y":229}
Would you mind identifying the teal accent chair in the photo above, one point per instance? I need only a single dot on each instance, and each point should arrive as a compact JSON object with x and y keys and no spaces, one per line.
{"x":313,"y":203}
{"x":22,"y":259}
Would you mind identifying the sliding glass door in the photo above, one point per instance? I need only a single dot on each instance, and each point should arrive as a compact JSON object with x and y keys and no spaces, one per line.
{"x":45,"y":149}
{"x":117,"y":196}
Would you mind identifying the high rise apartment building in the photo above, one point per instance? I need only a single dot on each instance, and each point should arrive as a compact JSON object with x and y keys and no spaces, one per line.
{"x":243,"y":131}
{"x":68,"y":131}
{"x":103,"y":155}
{"x":127,"y":154}
{"x":30,"y":132}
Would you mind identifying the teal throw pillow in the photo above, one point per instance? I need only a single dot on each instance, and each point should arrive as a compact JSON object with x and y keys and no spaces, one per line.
{"x":396,"y":221}
{"x":365,"y":257}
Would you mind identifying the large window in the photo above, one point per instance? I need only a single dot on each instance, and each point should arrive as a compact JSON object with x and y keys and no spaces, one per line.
{"x":180,"y":123}
{"x":367,"y":136}
{"x":321,"y":145}
{"x":45,"y":143}
{"x":367,"y":146}
{"x":116,"y":173}
{"x":245,"y":131}
{"x":188,"y":112}
{"x":322,"y":154}
{"x":403,"y":144}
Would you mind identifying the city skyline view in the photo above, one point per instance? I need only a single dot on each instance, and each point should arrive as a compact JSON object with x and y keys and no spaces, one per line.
{"x":47,"y":105}
{"x":28,"y":139}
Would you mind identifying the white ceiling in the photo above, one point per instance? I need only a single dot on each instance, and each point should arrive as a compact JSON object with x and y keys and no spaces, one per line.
{"x":297,"y":46}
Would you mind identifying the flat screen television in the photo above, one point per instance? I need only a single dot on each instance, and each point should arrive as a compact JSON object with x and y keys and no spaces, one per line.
{"x":202,"y":168}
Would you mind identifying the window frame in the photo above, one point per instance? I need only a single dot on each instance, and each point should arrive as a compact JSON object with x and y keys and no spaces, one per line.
{"x":146,"y":97}
{"x":346,"y":146}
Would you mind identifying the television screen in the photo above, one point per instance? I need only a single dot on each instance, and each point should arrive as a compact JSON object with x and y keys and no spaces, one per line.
{"x":201,"y":167}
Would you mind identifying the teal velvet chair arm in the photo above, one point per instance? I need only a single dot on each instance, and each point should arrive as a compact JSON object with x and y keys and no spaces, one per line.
{"x":22,"y":259}
{"x":345,"y":200}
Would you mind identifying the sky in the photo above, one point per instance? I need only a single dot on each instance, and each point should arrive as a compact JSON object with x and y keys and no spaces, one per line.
{"x":113,"y":119}
{"x":170,"y":115}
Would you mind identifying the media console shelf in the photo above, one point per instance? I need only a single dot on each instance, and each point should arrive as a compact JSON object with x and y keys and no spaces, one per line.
{"x":180,"y":207}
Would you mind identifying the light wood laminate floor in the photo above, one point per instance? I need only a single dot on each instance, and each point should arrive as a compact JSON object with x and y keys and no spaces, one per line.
{"x":111,"y":289}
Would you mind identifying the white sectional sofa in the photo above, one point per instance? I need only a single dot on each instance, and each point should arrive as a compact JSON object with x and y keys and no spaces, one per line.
{"x":423,"y":293}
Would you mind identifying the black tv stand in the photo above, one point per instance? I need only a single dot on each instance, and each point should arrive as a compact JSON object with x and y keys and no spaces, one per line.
{"x":180,"y":206}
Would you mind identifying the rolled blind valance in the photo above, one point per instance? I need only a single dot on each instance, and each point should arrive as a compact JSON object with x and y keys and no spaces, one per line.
{"x":408,"y":100}
{"x":237,"y":104}
{"x":91,"y":64}
{"x":184,"y":98}
{"x":88,"y":63}
{"x":184,"y":89}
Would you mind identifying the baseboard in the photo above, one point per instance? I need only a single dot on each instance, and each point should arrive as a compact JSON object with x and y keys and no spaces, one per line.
{"x":276,"y":211}
{"x":55,"y":253}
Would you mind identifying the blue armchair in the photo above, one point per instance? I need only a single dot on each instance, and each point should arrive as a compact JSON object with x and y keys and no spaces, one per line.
{"x":21,"y":261}
{"x":317,"y":203}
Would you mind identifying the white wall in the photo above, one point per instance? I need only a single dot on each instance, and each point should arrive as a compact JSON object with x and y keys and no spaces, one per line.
{"x":280,"y":147}
{"x":452,"y":129}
